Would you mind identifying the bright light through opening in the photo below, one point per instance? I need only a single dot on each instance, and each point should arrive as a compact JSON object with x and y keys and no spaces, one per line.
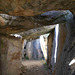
{"x":72,"y":62}
{"x":56,"y":40}
{"x":16,"y":35}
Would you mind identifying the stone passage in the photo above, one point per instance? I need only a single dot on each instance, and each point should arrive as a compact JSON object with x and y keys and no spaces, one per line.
{"x":34,"y":67}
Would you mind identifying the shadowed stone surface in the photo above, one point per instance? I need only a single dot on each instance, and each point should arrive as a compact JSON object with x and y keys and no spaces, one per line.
{"x":66,"y":49}
{"x":10,"y":56}
{"x":17,"y":24}
{"x":50,"y":48}
{"x":34,"y":7}
{"x":25,"y":16}
{"x":33,"y":50}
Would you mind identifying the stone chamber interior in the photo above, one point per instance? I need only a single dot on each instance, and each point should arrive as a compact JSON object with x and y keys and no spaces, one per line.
{"x":37,"y":37}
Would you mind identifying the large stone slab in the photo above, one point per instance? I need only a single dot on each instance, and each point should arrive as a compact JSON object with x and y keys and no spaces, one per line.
{"x":10,"y":56}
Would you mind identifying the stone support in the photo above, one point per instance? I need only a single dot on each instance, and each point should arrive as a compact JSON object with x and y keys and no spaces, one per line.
{"x":10,"y":56}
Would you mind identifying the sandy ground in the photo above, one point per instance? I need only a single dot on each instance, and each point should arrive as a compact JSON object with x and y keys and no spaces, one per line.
{"x":34,"y":67}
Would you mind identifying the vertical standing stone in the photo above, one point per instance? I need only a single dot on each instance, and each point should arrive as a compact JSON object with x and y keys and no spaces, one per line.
{"x":66,"y":50}
{"x":3,"y":55}
{"x":49,"y":52}
{"x":33,"y":50}
{"x":29,"y":50}
{"x":10,"y":56}
{"x":62,"y":38}
{"x":0,"y":65}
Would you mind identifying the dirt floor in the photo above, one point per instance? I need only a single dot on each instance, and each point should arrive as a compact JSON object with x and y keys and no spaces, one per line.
{"x":34,"y":67}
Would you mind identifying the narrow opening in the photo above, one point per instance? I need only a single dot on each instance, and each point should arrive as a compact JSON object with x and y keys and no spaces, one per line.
{"x":16,"y":35}
{"x":56,"y":41}
{"x":34,"y":55}
{"x":35,"y":49}
{"x":32,"y":50}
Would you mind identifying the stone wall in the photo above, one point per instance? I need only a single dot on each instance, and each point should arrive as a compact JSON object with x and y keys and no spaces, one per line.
{"x":50,"y":46}
{"x":66,"y":49}
{"x":10,"y":56}
{"x":32,"y":49}
{"x":43,"y":43}
{"x":0,"y":66}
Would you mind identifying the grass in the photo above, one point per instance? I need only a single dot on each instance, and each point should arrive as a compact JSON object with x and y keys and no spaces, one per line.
{"x":27,"y":58}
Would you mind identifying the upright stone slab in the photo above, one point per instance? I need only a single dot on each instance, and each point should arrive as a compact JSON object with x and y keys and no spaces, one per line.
{"x":10,"y":56}
{"x":50,"y":45}
{"x":66,"y":50}
{"x":62,"y":38}
{"x":33,"y":50}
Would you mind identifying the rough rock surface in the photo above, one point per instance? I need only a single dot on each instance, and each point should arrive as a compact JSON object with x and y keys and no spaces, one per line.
{"x":33,"y":50}
{"x":10,"y":56}
{"x":17,"y":24}
{"x":25,"y":15}
{"x":43,"y":43}
{"x":34,"y":7}
{"x":66,"y":49}
{"x":49,"y":52}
